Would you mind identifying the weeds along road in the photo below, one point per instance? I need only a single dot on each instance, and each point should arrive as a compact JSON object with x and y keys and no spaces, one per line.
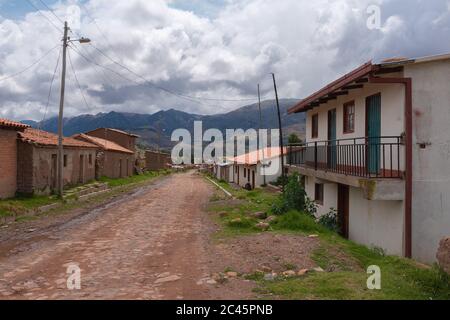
{"x":150,"y":245}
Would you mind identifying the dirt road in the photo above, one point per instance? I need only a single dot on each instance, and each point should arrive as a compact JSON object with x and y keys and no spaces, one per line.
{"x":150,"y":245}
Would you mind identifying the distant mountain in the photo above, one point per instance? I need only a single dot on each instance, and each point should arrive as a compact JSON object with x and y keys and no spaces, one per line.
{"x":156,"y":129}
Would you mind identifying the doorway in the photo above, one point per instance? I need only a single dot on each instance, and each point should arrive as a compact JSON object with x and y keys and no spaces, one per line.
{"x":81,"y":174}
{"x":53,"y":173}
{"x":343,"y":209}
{"x":373,"y":133}
{"x":253,"y":179}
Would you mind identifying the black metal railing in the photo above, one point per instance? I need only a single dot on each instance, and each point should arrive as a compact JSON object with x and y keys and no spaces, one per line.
{"x":374,"y":157}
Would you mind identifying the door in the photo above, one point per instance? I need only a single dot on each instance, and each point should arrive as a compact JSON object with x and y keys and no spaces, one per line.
{"x":343,"y":209}
{"x":81,"y":174}
{"x":53,"y":173}
{"x":373,"y":133}
{"x":253,"y":179}
{"x":331,"y":146}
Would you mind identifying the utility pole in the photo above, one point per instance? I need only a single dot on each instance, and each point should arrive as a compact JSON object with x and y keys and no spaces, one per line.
{"x":280,"y":128}
{"x":260,"y":127}
{"x":60,"y":164}
{"x":61,"y":117}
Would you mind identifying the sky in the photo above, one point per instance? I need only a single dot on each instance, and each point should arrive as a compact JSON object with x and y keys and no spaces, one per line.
{"x":198,"y":55}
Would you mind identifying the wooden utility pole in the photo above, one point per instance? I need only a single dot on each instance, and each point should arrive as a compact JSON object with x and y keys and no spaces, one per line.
{"x":260,"y":127}
{"x":279,"y":126}
{"x":61,"y":116}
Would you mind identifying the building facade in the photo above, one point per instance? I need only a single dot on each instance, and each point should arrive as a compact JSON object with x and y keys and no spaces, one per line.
{"x":376,"y":151}
{"x":112,"y":159}
{"x":37,"y":159}
{"x":8,"y":157}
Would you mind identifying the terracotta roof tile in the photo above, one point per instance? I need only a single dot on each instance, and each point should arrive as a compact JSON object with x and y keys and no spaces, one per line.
{"x":12,"y":124}
{"x":45,"y":138}
{"x":103,"y":143}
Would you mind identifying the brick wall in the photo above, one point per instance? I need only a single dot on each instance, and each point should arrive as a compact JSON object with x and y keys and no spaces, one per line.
{"x":8,"y":163}
{"x":117,"y":164}
{"x":156,"y":160}
{"x":25,"y":163}
{"x":121,"y":139}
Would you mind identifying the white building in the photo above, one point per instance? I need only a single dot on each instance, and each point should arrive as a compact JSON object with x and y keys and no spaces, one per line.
{"x":258,"y":167}
{"x":224,"y":171}
{"x":378,"y":150}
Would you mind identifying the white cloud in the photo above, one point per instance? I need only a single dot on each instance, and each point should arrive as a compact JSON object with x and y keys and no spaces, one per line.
{"x":208,"y":50}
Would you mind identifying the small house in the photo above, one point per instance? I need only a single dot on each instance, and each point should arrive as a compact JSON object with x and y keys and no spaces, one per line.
{"x":37,"y":154}
{"x":8,"y":156}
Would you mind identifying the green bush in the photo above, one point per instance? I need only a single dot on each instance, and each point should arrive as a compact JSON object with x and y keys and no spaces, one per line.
{"x":330,"y":220}
{"x":293,"y":197}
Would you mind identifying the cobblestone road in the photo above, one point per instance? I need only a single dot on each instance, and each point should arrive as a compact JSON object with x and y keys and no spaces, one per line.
{"x":146,"y":246}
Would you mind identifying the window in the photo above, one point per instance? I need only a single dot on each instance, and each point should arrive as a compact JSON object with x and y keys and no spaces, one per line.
{"x":90,"y":158}
{"x":349,"y":117}
{"x":65,"y":160}
{"x":315,"y":126}
{"x":318,"y":194}
{"x":245,"y":172}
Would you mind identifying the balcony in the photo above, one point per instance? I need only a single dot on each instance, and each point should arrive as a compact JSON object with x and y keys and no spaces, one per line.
{"x":374,"y":164}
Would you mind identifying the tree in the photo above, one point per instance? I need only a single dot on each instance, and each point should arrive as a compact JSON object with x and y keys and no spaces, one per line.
{"x":293,"y":138}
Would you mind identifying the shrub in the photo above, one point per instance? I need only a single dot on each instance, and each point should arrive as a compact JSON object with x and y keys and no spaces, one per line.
{"x":330,"y":220}
{"x":293,"y":197}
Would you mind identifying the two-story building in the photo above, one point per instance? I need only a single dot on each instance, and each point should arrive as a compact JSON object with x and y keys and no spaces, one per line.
{"x":378,"y":151}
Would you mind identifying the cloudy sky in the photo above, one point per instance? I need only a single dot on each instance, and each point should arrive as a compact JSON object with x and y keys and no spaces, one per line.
{"x":200,"y":50}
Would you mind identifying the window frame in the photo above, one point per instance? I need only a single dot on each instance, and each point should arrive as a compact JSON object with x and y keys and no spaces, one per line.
{"x":346,"y":119}
{"x":315,"y":126}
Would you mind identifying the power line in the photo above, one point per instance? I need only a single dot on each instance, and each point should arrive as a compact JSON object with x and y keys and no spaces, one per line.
{"x":41,"y":1}
{"x":50,"y":90}
{"x":164,"y":89}
{"x":76,"y":79}
{"x":30,"y":66}
{"x":47,"y":18}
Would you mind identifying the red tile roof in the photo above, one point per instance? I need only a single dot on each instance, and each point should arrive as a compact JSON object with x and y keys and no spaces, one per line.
{"x":254,"y":157}
{"x":45,"y":138}
{"x":103,"y":143}
{"x":5,"y":123}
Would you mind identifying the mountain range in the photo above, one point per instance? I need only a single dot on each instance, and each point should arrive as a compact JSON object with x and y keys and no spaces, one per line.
{"x":156,"y":129}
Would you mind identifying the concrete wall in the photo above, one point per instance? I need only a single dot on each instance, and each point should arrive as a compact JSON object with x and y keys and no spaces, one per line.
{"x":431,"y":165}
{"x":8,"y":163}
{"x":38,"y":175}
{"x":376,"y":223}
{"x":372,"y":223}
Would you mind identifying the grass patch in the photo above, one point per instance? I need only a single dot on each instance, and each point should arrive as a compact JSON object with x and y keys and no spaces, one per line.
{"x":401,"y":279}
{"x":133,"y":179}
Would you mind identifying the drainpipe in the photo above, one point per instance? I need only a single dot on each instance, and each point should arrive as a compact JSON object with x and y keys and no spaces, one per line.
{"x":407,"y":82}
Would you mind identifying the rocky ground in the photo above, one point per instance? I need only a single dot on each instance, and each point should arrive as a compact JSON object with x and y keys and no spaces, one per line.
{"x":154,"y":243}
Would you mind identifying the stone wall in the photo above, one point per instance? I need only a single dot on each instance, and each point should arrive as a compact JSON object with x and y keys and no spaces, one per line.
{"x":8,"y":163}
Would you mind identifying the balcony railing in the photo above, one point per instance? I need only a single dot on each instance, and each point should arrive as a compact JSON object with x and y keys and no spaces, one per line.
{"x":374,"y":157}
